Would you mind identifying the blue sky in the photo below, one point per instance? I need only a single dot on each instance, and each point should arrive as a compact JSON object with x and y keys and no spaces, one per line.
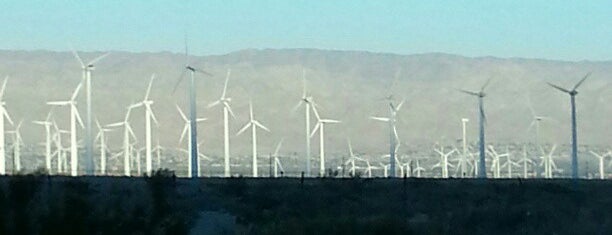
{"x":553,"y":29}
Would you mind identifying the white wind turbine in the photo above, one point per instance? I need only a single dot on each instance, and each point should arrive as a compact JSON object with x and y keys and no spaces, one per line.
{"x":74,"y":117}
{"x":146,"y":103}
{"x":3,"y":115}
{"x":253,"y":124}
{"x":573,"y":94}
{"x":418,"y":169}
{"x":127,"y":133}
{"x":394,"y":141}
{"x":526,"y":162}
{"x":277,"y":162}
{"x":307,"y":101}
{"x":47,"y":124}
{"x":103,"y":148}
{"x":225,"y":101}
{"x":482,"y":168}
{"x":352,"y":158}
{"x":548,"y":162}
{"x":158,"y":152}
{"x":320,"y":126}
{"x":601,"y":157}
{"x":496,"y":163}
{"x":509,"y":163}
{"x":193,"y":126}
{"x":187,"y":131}
{"x":463,"y":161}
{"x":87,"y":68}
{"x":17,"y":143}
{"x":444,"y":163}
{"x":59,"y":148}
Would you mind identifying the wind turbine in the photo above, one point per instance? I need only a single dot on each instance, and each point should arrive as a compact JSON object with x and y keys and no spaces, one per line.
{"x":418,"y":169}
{"x":47,"y":124}
{"x":444,"y":163}
{"x":187,"y":131}
{"x":254,"y":124}
{"x":59,"y":148}
{"x":601,"y":157}
{"x":102,"y":137}
{"x":572,"y":93}
{"x":496,"y":163}
{"x":193,"y":125}
{"x":225,"y":101}
{"x":146,"y":103}
{"x":352,"y":158}
{"x":320,"y":126}
{"x":394,"y":141}
{"x":307,"y":101}
{"x":127,"y":132}
{"x":277,"y":163}
{"x":463,"y":160}
{"x":3,"y":115}
{"x":74,"y":117}
{"x":482,"y":168}
{"x":526,"y":162}
{"x":17,"y":143}
{"x":87,"y":68}
{"x":548,"y":162}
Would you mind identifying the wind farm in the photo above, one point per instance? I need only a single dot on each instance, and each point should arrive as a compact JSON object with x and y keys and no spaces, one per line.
{"x":315,"y":117}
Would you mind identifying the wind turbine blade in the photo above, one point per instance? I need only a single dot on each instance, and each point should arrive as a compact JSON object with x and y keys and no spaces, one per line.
{"x":76,"y":92}
{"x":97,"y":59}
{"x":146,"y":97}
{"x":213,"y":104}
{"x":150,"y":110}
{"x":261,"y":126}
{"x":8,"y":117}
{"x":76,"y":55}
{"x":3,"y":87}
{"x":348,"y":141}
{"x":179,"y":80}
{"x":244,"y":128}
{"x":251,"y":111}
{"x":116,"y":124}
{"x":98,"y":124}
{"x":229,"y":109}
{"x":201,"y":119}
{"x":303,"y":83}
{"x":382,"y":119}
{"x":78,"y":117}
{"x":399,"y":106}
{"x":183,"y":133}
{"x":297,"y":106}
{"x":278,"y":146}
{"x":58,"y":102}
{"x":315,"y":129}
{"x":127,"y":125}
{"x":469,"y":92}
{"x":181,"y":113}
{"x":533,"y":113}
{"x":330,"y":121}
{"x":581,"y":81}
{"x":203,"y":72}
{"x":558,"y":87}
{"x":314,"y":109}
{"x":485,"y":85}
{"x":229,"y":71}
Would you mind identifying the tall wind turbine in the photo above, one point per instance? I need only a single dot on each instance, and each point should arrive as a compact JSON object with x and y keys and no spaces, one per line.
{"x":463,"y":160}
{"x":87,"y":68}
{"x":146,"y":103}
{"x":277,"y":163}
{"x":320,"y":126}
{"x":225,"y":101}
{"x":602,"y":158}
{"x":74,"y":117}
{"x":3,"y":115}
{"x":127,"y":133}
{"x":482,"y":167}
{"x":193,"y":126}
{"x":102,"y":137}
{"x":307,"y":101}
{"x":572,"y":93}
{"x":393,"y":137}
{"x":47,"y":124}
{"x":187,"y":131}
{"x":17,"y":143}
{"x":253,"y":124}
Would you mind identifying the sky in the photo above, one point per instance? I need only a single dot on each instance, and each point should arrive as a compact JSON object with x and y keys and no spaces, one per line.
{"x":547,"y":29}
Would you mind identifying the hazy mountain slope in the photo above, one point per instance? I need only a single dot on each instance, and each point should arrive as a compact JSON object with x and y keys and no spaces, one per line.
{"x":347,"y":85}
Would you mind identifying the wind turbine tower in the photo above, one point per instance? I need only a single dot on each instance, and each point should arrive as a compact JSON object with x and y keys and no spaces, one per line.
{"x":225,"y":101}
{"x":572,"y":93}
{"x":254,"y":124}
{"x":3,"y":115}
{"x":87,"y":68}
{"x":482,"y":167}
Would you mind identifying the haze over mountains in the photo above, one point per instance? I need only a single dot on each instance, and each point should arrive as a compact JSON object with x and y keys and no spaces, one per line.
{"x":347,"y":85}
